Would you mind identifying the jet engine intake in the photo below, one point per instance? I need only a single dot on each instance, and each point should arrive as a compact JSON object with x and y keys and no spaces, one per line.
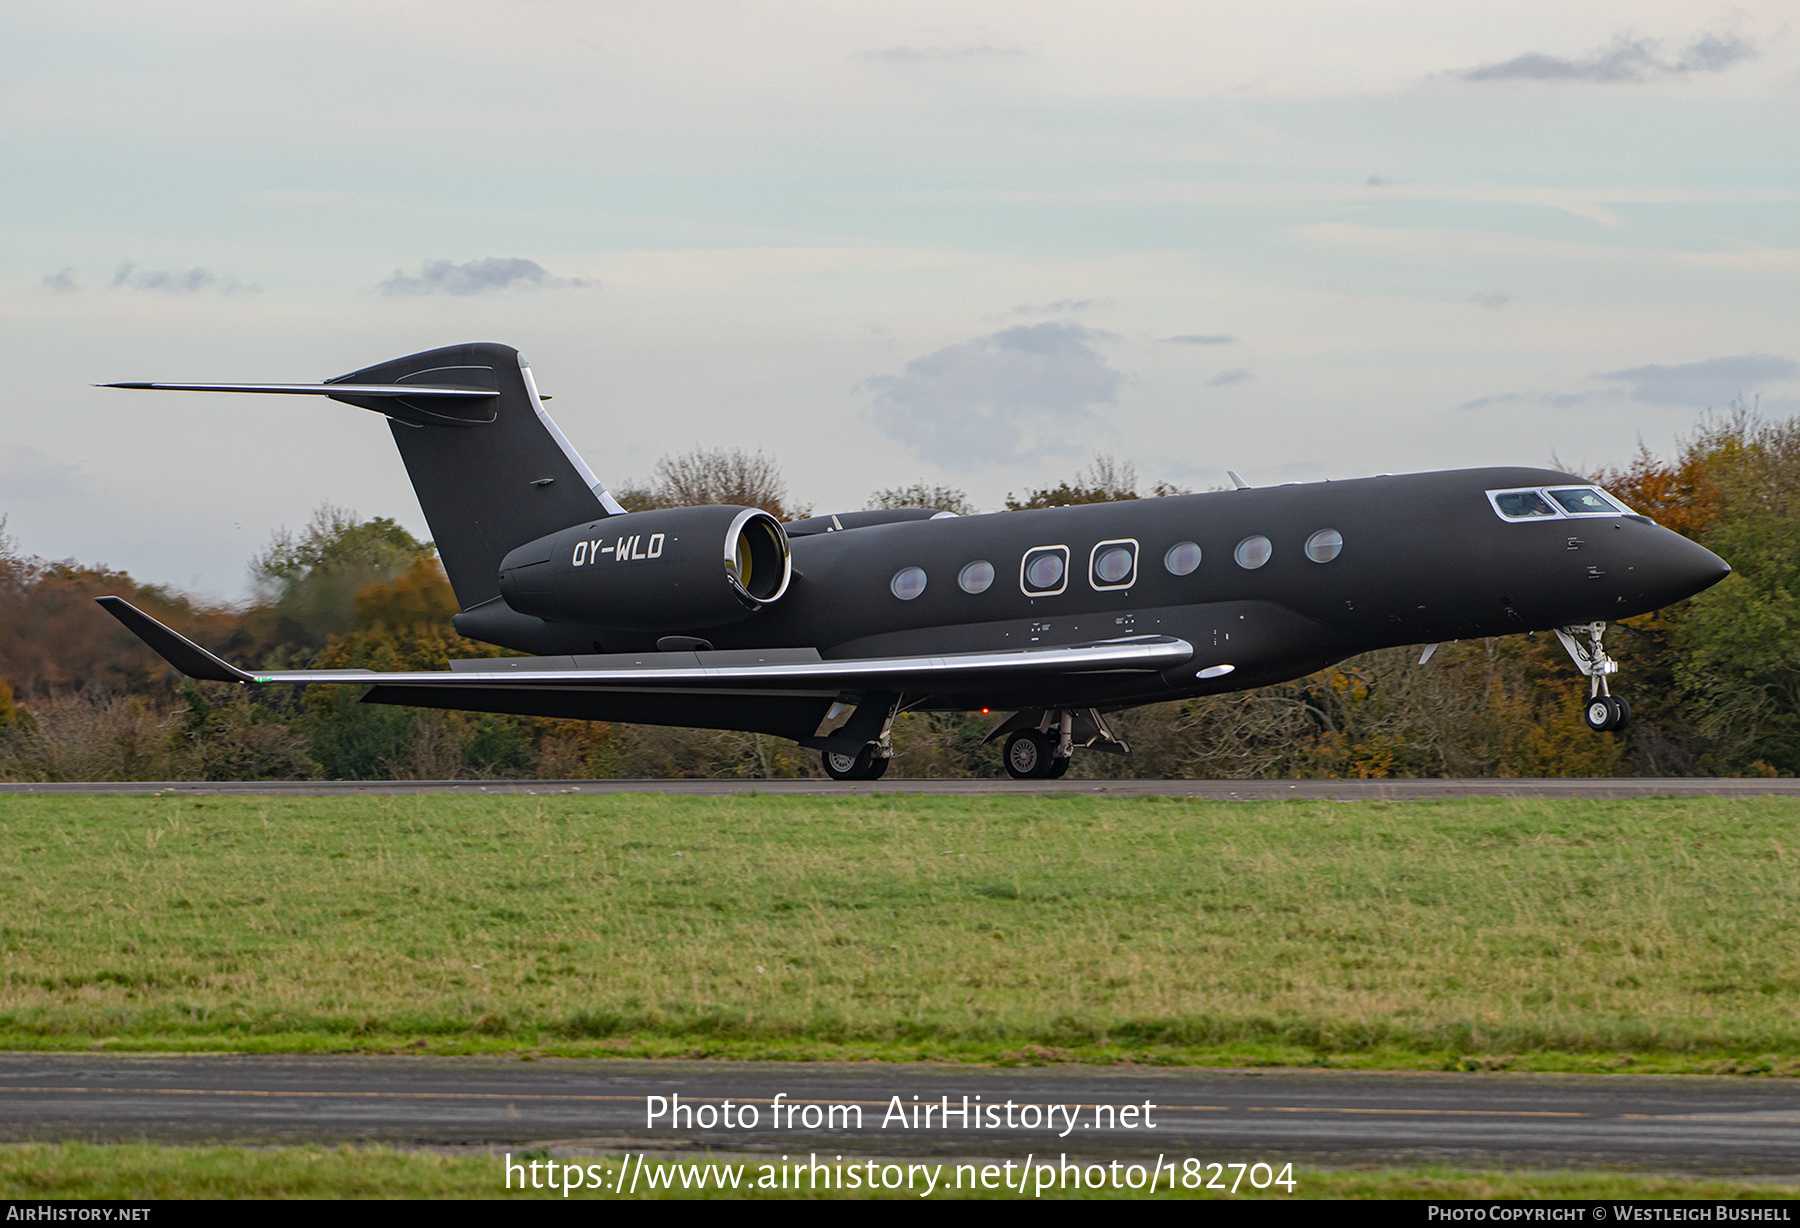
{"x":678,"y":568}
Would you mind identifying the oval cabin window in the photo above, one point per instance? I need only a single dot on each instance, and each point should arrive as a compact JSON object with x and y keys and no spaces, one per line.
{"x":1183,"y":558}
{"x":1324,"y":545}
{"x":908,"y":583}
{"x":976,"y":577}
{"x":1253,"y":552}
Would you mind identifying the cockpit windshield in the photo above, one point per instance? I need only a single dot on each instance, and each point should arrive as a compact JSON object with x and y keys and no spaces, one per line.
{"x":1522,"y":504}
{"x":1586,"y":501}
{"x":1555,"y":503}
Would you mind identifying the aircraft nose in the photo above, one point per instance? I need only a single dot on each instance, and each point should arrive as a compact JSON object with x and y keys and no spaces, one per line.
{"x":1680,"y":568}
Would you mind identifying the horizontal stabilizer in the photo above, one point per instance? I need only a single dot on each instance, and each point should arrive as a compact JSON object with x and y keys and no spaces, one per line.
{"x":698,"y":671}
{"x":421,"y":391}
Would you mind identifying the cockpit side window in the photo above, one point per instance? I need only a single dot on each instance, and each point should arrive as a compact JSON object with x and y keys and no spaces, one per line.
{"x":1521,"y":504}
{"x":1586,"y":501}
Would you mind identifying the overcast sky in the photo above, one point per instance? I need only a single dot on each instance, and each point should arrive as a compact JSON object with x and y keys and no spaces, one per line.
{"x":968,"y":243}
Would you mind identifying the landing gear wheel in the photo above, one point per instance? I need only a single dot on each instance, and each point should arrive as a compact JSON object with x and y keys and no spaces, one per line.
{"x":1058,"y":768}
{"x":1603,"y":711}
{"x":1606,"y":712}
{"x":863,"y":765}
{"x":1027,"y":755}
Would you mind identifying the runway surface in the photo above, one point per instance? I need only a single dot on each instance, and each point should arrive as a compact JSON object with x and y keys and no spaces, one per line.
{"x":1669,"y":1124}
{"x":1213,"y":790}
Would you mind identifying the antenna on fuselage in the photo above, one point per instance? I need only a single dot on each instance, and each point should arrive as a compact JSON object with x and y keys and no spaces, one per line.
{"x":1236,"y":480}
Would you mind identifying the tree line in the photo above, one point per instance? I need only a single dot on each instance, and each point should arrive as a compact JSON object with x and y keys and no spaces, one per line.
{"x":1714,"y":681}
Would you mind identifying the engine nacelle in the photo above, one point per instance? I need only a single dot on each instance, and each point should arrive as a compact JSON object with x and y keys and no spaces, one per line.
{"x":676,"y":569}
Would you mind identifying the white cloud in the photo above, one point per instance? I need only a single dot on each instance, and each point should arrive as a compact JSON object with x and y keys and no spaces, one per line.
{"x":1013,"y":395}
{"x":479,"y":277}
{"x":131,"y":276}
{"x":1701,"y":385}
{"x":1707,"y":384}
{"x":1625,"y":59}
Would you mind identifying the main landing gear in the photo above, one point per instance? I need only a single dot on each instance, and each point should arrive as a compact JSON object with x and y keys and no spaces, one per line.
{"x":1030,"y":755}
{"x":853,"y":717}
{"x":1604,"y":711}
{"x":865,"y":764}
{"x":1040,"y":742}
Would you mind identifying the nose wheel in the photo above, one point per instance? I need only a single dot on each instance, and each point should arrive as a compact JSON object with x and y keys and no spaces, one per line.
{"x":1605,"y":712}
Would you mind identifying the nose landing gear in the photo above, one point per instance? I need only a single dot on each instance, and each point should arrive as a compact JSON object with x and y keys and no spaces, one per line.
{"x":1604,"y":711}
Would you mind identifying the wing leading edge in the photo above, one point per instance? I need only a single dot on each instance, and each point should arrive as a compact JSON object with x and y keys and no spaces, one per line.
{"x":778,"y":671}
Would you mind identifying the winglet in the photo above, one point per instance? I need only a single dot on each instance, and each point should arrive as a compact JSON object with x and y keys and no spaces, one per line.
{"x":171,"y":646}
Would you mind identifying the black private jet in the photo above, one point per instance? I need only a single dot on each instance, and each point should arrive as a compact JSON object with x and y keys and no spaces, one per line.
{"x":822,"y":630}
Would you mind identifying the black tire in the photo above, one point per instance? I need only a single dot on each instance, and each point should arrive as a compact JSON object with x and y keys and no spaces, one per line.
{"x":1058,"y":768}
{"x":1027,"y":755}
{"x":863,"y":765}
{"x":1603,"y":713}
{"x":1624,"y":706}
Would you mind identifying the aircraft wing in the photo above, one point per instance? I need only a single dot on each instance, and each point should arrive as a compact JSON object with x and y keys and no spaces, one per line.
{"x":775,"y":671}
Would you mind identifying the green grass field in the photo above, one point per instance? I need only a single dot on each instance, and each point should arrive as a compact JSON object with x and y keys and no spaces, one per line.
{"x":77,"y":1170}
{"x":1656,"y":935}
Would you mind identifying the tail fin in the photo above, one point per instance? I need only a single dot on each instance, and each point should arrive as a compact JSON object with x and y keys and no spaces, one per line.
{"x":491,"y":470}
{"x":488,"y":481}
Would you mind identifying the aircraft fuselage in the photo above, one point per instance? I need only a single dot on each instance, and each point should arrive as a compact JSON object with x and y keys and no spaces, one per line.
{"x":1419,"y":558}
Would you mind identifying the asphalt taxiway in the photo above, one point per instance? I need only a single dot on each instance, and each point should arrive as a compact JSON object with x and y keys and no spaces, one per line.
{"x":1661,"y":1123}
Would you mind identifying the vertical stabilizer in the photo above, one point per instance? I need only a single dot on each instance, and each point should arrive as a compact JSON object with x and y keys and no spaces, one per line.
{"x":488,"y":479}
